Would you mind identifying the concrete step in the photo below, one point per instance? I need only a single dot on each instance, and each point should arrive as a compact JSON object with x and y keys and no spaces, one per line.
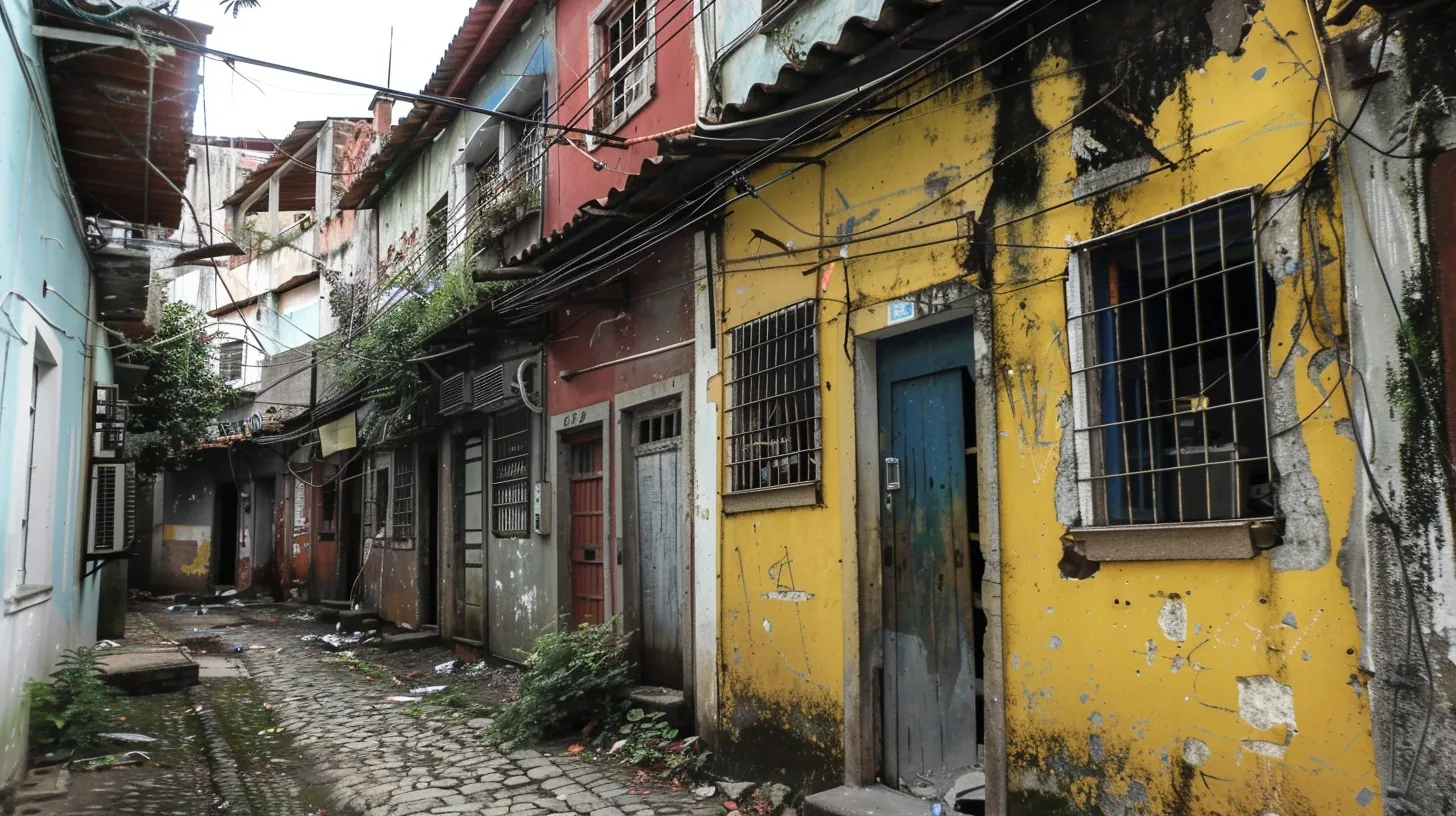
{"x":149,"y":672}
{"x":408,"y":640}
{"x":43,"y":784}
{"x":878,"y":800}
{"x":356,"y":620}
{"x":337,"y":605}
{"x":671,"y":702}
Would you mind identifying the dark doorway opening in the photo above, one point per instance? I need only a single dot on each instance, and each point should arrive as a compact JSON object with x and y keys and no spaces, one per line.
{"x":352,"y":522}
{"x":430,"y":538}
{"x":225,"y":536}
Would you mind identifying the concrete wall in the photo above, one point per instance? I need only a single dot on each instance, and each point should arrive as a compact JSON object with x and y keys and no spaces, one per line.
{"x":571,"y":180}
{"x":1105,"y":708}
{"x":42,"y":245}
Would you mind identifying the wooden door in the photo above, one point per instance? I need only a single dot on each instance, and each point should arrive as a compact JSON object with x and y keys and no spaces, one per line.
{"x":929,"y":689}
{"x":661,"y":550}
{"x":588,"y":570}
{"x":472,"y":543}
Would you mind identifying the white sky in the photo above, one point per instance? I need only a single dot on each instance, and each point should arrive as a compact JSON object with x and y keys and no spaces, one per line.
{"x":346,"y":38}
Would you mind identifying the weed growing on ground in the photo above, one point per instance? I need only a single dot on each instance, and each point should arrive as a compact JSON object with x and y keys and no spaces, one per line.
{"x":570,"y":679}
{"x":72,"y":710}
{"x":647,"y":740}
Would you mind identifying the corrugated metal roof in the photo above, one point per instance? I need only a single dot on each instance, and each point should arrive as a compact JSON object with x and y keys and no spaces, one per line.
{"x":110,"y":126}
{"x":486,"y":30}
{"x":296,"y":144}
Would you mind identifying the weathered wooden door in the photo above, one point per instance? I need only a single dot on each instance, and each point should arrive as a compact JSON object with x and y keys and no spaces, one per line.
{"x":588,"y":571}
{"x":929,"y":702}
{"x":472,"y":543}
{"x":661,"y":550}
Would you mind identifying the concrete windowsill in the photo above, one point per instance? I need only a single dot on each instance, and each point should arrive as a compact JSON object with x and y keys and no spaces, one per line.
{"x":26,"y":596}
{"x":772,"y":498}
{"x":1191,"y":541}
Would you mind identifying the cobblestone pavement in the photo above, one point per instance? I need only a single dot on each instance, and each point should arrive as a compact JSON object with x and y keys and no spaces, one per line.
{"x":379,"y":758}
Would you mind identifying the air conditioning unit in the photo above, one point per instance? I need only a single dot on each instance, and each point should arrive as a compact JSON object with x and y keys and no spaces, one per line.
{"x":455,"y":394}
{"x":489,"y":387}
{"x":108,"y":437}
{"x":113,"y":504}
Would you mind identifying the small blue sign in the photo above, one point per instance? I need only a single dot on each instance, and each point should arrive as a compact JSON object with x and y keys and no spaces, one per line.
{"x":901,"y":311}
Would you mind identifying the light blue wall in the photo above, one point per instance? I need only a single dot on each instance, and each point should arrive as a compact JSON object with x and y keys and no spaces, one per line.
{"x":299,"y":327}
{"x":39,"y":246}
{"x":759,"y":58}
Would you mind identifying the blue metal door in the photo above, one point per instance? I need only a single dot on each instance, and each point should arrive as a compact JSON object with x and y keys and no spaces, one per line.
{"x":928,"y":516}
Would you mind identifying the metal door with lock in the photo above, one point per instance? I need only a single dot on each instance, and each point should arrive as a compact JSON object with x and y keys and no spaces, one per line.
{"x":588,"y":571}
{"x":928,"y":516}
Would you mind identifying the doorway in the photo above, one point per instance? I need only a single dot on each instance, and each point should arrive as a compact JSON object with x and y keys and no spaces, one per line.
{"x":225,"y":572}
{"x":586,"y":528}
{"x":659,"y":558}
{"x":933,"y":623}
{"x":430,"y":538}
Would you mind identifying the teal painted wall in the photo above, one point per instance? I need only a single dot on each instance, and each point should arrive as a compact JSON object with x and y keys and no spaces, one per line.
{"x":40,"y":247}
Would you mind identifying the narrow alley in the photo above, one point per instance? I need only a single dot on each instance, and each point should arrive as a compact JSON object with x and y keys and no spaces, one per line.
{"x":283,"y":726}
{"x":728,"y":407}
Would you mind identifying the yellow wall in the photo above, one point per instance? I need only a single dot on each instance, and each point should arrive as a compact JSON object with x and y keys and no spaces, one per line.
{"x":1095,"y":717}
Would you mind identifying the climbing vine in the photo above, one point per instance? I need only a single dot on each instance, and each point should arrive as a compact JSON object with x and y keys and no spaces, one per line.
{"x":179,"y":397}
{"x":376,"y":347}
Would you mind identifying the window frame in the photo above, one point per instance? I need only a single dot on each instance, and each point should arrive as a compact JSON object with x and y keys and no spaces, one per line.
{"x":605,"y":75}
{"x":491,"y":458}
{"x":402,"y":479}
{"x":1095,"y":534}
{"x":790,"y":493}
{"x":226,"y":347}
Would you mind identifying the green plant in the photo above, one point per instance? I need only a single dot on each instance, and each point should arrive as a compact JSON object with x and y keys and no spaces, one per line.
{"x":72,"y":710}
{"x":647,"y":740}
{"x":375,"y":350}
{"x":570,"y":679}
{"x":455,"y":699}
{"x":173,"y":407}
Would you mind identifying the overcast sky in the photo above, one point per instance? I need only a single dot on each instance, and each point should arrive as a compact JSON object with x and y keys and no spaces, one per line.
{"x":348,"y":38}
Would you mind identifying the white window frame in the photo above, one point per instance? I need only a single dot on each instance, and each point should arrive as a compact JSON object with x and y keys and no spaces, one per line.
{"x":242,"y":347}
{"x":35,"y":478}
{"x":607,"y":13}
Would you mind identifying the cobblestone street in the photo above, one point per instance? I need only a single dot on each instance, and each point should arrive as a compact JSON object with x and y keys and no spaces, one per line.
{"x":306,"y":732}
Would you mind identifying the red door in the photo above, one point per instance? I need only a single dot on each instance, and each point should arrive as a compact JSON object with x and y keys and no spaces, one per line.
{"x":588,"y":573}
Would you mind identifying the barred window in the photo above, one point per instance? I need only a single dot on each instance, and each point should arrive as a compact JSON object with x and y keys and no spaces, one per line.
{"x":230,"y":360}
{"x":437,"y":234}
{"x":510,"y":473}
{"x":773,"y":400}
{"x":404,"y":494}
{"x":1168,"y":326}
{"x":533,"y":158}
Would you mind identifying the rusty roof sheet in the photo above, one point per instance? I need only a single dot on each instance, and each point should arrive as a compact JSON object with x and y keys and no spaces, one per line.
{"x":110,"y":126}
{"x":488,"y":26}
{"x":299,"y":144}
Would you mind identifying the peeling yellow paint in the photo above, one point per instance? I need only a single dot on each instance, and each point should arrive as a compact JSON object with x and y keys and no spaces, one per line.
{"x":1136,"y":676}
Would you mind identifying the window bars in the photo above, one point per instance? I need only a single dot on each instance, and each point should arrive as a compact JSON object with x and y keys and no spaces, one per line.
{"x":774,"y":436}
{"x":230,"y":360}
{"x":404,"y":494}
{"x":510,"y":470}
{"x":628,"y":41}
{"x":533,"y":156}
{"x":1168,"y":350}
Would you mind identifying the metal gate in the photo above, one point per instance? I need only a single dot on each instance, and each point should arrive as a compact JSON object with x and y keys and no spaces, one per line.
{"x":661,"y":545}
{"x":588,"y":573}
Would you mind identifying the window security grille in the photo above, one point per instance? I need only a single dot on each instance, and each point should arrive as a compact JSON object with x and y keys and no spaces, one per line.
{"x":628,"y":41}
{"x":230,"y":360}
{"x":533,"y":158}
{"x":774,"y":402}
{"x":510,"y":470}
{"x":380,"y":515}
{"x":404,"y":494}
{"x":437,"y":236}
{"x":1170,"y":370}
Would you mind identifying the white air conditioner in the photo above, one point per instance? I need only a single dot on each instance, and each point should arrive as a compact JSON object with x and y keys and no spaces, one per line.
{"x":113,"y":499}
{"x":455,"y":394}
{"x":522,"y":371}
